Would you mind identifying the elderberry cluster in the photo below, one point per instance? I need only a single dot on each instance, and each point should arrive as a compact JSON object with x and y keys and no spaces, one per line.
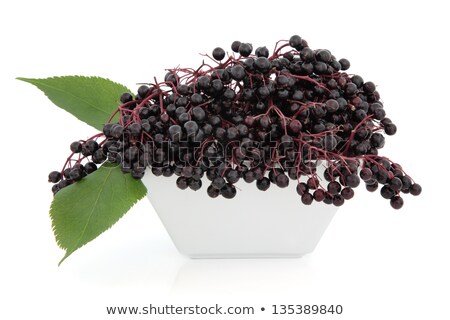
{"x":260,"y":117}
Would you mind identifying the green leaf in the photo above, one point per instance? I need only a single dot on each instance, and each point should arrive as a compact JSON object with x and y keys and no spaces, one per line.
{"x":91,"y":99}
{"x":85,"y":209}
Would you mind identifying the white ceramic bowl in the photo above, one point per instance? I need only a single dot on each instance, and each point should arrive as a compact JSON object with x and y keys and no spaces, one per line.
{"x":254,"y":224}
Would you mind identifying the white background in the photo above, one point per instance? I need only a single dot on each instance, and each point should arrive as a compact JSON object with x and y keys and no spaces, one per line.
{"x":376,"y":262}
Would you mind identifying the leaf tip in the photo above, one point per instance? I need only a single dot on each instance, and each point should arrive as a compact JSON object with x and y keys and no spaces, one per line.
{"x":27,"y":80}
{"x":68,"y":253}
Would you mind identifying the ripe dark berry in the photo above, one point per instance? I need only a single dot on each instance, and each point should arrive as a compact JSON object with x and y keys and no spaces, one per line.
{"x":117,"y":131}
{"x":245,"y":49}
{"x":307,"y":198}
{"x":232,"y":176}
{"x":157,"y":171}
{"x":195,"y":184}
{"x":191,"y":127}
{"x":85,"y":151}
{"x":262,"y":52}
{"x":334,"y":187}
{"x":212,"y":192}
{"x":397,"y":202}
{"x":379,"y":114}
{"x":228,"y":191}
{"x":91,"y":146}
{"x":320,"y":67}
{"x":307,"y":55}
{"x":377,"y":140}
{"x":64,"y":183}
{"x":135,"y":129}
{"x":351,"y":89}
{"x":90,"y":167}
{"x":76,"y":174}
{"x":369,"y":87}
{"x":328,"y":199}
{"x":183,"y":118}
{"x":352,"y":181}
{"x":302,"y":188}
{"x":263,"y":184}
{"x":335,"y":65}
{"x":175,"y":133}
{"x":358,"y":80}
{"x":345,"y":64}
{"x":171,"y":77}
{"x":373,"y":186}
{"x":229,"y":94}
{"x":218,"y":53}
{"x":390,"y":129}
{"x":332,"y":105}
{"x":235,"y":46}
{"x":196,"y":99}
{"x":66,"y":173}
{"x":242,"y":129}
{"x":385,"y":163}
{"x":387,"y":192}
{"x":249,"y":176}
{"x":232,"y":133}
{"x":55,"y":188}
{"x":338,"y":200}
{"x":347,"y":193}
{"x":126,"y":97}
{"x":76,"y":146}
{"x":396,"y":184}
{"x":137,"y":174}
{"x":203,"y":82}
{"x":179,"y":111}
{"x":295,"y":126}
{"x":385,"y":121}
{"x":415,"y":189}
{"x":329,"y":142}
{"x":217,"y":85}
{"x":143,"y":91}
{"x":218,"y":183}
{"x":312,"y":183}
{"x":406,"y":182}
{"x":262,"y":64}
{"x":168,"y":171}
{"x":319,"y":195}
{"x":187,"y":172}
{"x":182,"y":183}
{"x":295,"y":42}
{"x":282,"y":180}
{"x":54,"y":176}
{"x":198,"y":114}
{"x":238,"y":72}
{"x":323,"y":55}
{"x":220,"y":133}
{"x":107,"y":129}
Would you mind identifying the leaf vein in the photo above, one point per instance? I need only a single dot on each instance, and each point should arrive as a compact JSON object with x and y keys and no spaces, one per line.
{"x":75,"y":96}
{"x":92,"y":209}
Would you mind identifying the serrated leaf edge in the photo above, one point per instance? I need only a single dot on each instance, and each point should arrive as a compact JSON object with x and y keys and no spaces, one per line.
{"x":33,"y":81}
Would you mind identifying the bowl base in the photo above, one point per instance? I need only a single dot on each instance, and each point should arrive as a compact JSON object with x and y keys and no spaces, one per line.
{"x":245,"y":256}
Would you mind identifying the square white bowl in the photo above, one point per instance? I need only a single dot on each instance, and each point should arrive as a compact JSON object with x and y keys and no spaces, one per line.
{"x":254,"y":224}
